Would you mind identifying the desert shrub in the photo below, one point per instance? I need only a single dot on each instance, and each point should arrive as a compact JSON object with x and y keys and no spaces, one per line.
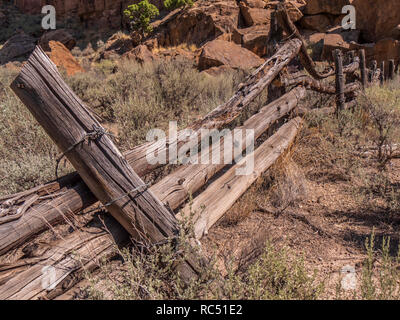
{"x":275,"y":274}
{"x":174,"y":4}
{"x":382,"y":105}
{"x":142,"y":97}
{"x":27,"y":155}
{"x":140,"y":16}
{"x":133,"y":97}
{"x":378,"y":277}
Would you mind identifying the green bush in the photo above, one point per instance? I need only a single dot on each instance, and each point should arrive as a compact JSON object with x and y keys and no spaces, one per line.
{"x":174,"y":4}
{"x":140,"y":16}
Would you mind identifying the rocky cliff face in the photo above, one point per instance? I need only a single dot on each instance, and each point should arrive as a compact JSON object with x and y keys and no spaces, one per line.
{"x":99,"y":13}
{"x":376,"y":19}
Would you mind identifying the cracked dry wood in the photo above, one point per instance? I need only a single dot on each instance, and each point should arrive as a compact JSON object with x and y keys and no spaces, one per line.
{"x":77,"y":196}
{"x":196,"y":177}
{"x":97,"y":160}
{"x":218,"y":198}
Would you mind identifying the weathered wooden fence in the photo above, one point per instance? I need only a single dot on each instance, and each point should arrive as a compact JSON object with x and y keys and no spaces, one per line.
{"x":147,"y":213}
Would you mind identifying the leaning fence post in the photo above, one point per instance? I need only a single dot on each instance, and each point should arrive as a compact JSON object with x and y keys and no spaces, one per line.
{"x":363,"y":68}
{"x":94,"y":155}
{"x":391,"y":69}
{"x":340,"y":98}
{"x":372,"y":71}
{"x":382,"y":75}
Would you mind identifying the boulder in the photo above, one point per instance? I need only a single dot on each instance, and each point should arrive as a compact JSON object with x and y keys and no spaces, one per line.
{"x":345,"y":41}
{"x":253,"y":38}
{"x":318,"y":22}
{"x":377,"y":18}
{"x":63,"y":58}
{"x":326,"y":6}
{"x":19,"y":46}
{"x":383,"y":50}
{"x":217,"y":71}
{"x":59,"y":35}
{"x":140,"y":54}
{"x":204,"y":21}
{"x":118,"y":44}
{"x":254,"y":3}
{"x":254,"y":16}
{"x":218,"y":52}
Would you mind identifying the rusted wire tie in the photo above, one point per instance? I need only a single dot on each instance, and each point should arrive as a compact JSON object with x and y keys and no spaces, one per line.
{"x":95,"y":134}
{"x":102,"y":206}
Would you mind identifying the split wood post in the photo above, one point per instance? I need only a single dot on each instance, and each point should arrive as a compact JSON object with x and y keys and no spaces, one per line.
{"x":363,"y":68}
{"x":374,"y":66}
{"x":93,"y":154}
{"x":78,"y":197}
{"x":340,"y":98}
{"x":391,"y":69}
{"x":382,"y":75}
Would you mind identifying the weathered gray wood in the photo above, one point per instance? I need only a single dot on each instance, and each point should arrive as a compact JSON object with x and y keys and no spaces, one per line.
{"x":230,"y":110}
{"x":97,"y":160}
{"x":318,"y":86}
{"x":172,"y":190}
{"x":77,"y":197}
{"x":382,"y":75}
{"x":207,"y":208}
{"x":373,"y":71}
{"x":186,"y":180}
{"x":339,"y":80}
{"x":65,"y":260}
{"x":363,"y":68}
{"x":391,"y":69}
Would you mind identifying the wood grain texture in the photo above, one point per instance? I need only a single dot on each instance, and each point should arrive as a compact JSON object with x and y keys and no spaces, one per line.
{"x":97,"y":160}
{"x":207,"y":208}
{"x":77,"y":196}
{"x":169,"y":189}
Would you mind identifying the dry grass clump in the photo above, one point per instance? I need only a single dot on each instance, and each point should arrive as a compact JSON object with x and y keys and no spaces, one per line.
{"x":129,"y":97}
{"x":356,"y":147}
{"x":27,"y":155}
{"x":275,"y":274}
{"x":143,"y":97}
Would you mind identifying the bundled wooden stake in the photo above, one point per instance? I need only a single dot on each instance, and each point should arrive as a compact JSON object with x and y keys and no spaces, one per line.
{"x":81,"y":250}
{"x":92,"y":153}
{"x":382,"y":75}
{"x":340,"y":98}
{"x":391,"y":69}
{"x":363,"y":69}
{"x":212,"y":204}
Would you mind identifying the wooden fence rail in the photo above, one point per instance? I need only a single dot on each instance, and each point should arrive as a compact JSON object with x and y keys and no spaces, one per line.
{"x":146,"y":211}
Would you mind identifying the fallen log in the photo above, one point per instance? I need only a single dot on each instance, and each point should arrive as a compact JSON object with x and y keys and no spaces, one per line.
{"x":171,"y":190}
{"x":55,"y":269}
{"x":318,"y":86}
{"x":353,"y":66}
{"x":93,"y":154}
{"x":78,"y":197}
{"x":339,"y":80}
{"x":175,"y":188}
{"x":211,"y":204}
{"x":228,"y":111}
